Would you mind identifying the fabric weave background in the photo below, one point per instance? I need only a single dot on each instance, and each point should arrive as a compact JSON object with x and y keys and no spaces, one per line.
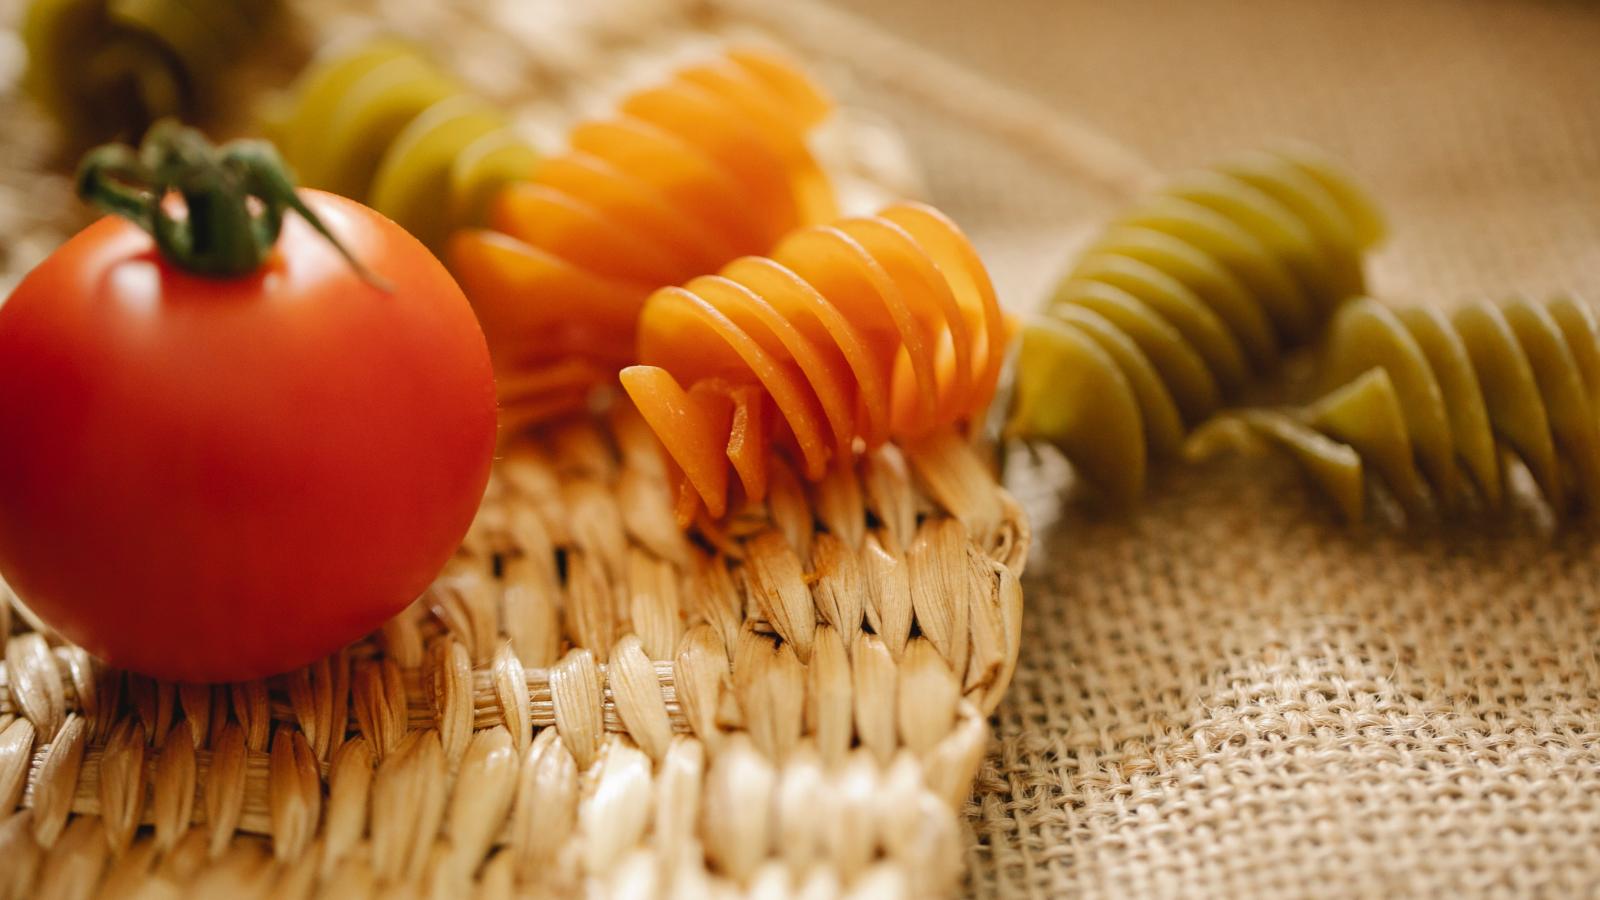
{"x":1227,"y":694}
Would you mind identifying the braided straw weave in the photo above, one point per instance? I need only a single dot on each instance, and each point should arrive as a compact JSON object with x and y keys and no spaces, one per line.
{"x":587,"y":699}
{"x":612,"y":705}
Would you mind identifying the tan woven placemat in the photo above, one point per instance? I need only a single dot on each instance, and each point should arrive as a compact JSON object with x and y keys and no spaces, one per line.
{"x":587,"y":701}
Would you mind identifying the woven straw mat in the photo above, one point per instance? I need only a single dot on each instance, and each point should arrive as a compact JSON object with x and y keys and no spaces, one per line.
{"x":1227,"y":694}
{"x":587,"y":700}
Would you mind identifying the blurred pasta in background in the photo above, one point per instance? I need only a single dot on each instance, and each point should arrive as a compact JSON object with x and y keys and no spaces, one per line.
{"x":1195,"y":292}
{"x":108,"y":68}
{"x":1440,"y":406}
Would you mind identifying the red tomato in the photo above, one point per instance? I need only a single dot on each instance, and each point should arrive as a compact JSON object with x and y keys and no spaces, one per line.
{"x":212,"y":479}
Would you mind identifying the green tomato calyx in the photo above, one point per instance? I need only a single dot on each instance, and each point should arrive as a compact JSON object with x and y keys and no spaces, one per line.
{"x":235,"y":197}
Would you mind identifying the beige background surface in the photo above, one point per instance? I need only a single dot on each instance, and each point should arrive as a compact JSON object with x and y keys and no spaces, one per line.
{"x":1227,"y":694}
{"x":1476,"y":121}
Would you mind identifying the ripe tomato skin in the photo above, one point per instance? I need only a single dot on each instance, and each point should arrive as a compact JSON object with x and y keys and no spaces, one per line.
{"x":218,"y":479}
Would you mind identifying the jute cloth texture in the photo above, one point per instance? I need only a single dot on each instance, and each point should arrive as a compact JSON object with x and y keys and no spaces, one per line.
{"x":1227,"y":694}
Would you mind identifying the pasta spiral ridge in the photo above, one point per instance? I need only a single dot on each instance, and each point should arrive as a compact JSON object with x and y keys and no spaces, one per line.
{"x":1181,"y":300}
{"x":384,"y":124}
{"x":846,"y":336}
{"x":109,"y":68}
{"x":1437,"y":405}
{"x":710,"y":165}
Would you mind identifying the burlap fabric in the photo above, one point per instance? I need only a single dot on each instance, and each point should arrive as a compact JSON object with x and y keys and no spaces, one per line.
{"x":1227,"y":694}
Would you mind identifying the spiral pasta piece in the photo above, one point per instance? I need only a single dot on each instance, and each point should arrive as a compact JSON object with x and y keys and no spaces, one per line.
{"x":707,"y":166}
{"x":109,"y":68}
{"x":1435,"y":406}
{"x":1181,"y":301}
{"x":848,"y":335}
{"x":383,"y":124}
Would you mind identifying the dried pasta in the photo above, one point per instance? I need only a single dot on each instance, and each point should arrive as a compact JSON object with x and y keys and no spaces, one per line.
{"x":385,"y":125}
{"x":108,"y":68}
{"x":705,"y":167}
{"x":1435,"y":406}
{"x":1181,"y":300}
{"x":846,"y":336}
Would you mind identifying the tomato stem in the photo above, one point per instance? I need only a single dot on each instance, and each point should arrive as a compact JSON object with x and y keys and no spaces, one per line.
{"x":234,"y":199}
